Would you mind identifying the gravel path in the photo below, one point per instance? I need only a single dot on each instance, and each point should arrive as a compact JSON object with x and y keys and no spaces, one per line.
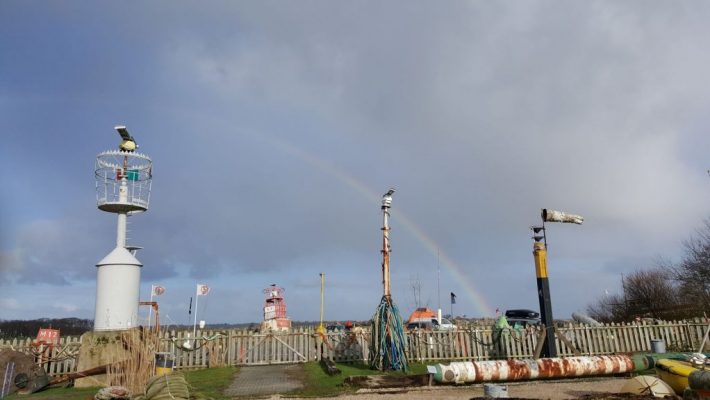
{"x":266,"y":380}
{"x":554,"y":390}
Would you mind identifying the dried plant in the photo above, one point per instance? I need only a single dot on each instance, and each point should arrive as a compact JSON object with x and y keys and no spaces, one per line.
{"x":134,"y":363}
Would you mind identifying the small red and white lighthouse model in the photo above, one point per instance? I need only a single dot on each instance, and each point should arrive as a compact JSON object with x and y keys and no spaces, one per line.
{"x":275,"y":318}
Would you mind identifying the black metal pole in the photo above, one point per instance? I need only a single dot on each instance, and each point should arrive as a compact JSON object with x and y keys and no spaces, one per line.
{"x":549,"y":348}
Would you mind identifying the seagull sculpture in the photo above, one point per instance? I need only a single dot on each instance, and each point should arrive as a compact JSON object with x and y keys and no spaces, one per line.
{"x":387,"y":199}
{"x":127,"y":142}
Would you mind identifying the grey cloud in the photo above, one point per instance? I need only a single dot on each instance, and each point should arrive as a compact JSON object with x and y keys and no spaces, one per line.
{"x":270,"y":126}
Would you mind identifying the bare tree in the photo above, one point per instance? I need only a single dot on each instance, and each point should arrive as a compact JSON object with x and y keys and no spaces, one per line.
{"x":609,"y":308}
{"x":651,"y":293}
{"x":647,"y":293}
{"x":668,"y":291}
{"x":693,"y":272}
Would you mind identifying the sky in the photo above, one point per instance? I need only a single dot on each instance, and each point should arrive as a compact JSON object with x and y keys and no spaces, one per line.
{"x":275,"y":128}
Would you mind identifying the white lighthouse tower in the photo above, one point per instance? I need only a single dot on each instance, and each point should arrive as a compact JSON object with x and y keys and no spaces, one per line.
{"x":123,"y":183}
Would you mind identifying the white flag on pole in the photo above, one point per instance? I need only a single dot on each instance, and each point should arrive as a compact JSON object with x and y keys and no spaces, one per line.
{"x":157,"y":290}
{"x":203,"y":290}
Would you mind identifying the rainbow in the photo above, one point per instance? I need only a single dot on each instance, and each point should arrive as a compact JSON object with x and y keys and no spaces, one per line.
{"x":410,"y":226}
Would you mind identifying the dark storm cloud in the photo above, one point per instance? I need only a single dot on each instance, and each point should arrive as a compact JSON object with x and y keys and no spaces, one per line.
{"x":274,"y":127}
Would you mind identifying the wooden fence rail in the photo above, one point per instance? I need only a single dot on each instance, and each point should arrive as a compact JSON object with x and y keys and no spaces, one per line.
{"x":243,"y":347}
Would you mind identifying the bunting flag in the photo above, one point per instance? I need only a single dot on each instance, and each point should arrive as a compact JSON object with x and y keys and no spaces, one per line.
{"x":203,"y":290}
{"x":453,"y":298}
{"x":157,"y":290}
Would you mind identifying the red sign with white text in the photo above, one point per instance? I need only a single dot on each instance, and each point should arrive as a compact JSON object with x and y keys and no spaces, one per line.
{"x":48,"y":335}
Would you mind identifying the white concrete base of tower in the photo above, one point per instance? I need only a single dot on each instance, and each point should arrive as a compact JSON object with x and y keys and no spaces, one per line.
{"x":117,"y":291}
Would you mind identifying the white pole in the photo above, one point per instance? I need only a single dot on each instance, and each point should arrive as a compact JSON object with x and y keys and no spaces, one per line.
{"x":385,"y":252}
{"x":438,"y":286}
{"x":194,"y":324}
{"x":150,"y":308}
{"x":121,"y":229}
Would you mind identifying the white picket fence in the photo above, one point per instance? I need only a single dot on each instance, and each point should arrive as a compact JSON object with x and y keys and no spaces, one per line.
{"x":243,"y":347}
{"x":57,"y":359}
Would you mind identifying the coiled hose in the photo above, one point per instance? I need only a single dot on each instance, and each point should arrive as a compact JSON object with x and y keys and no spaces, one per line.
{"x":167,"y":387}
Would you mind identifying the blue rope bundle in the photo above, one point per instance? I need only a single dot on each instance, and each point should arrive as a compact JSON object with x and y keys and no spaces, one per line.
{"x":388,"y":342}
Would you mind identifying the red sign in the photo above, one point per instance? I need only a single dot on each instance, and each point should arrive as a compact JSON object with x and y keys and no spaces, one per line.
{"x":48,"y":335}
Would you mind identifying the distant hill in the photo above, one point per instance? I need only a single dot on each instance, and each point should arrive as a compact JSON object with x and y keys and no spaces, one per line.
{"x":11,"y":329}
{"x":28,"y":328}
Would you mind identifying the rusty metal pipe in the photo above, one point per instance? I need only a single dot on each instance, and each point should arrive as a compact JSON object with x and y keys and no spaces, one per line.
{"x":543,"y":368}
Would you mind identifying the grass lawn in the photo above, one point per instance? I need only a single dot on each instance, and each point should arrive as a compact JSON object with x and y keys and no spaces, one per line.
{"x":58,"y":393}
{"x":210,"y":383}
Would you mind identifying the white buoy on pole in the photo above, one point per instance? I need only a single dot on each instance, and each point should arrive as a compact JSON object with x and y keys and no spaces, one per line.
{"x":123,"y":183}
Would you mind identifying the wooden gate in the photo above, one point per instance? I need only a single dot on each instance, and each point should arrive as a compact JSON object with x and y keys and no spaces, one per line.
{"x":271,"y":348}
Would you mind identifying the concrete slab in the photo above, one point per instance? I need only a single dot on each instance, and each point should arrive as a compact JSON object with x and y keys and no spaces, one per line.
{"x":266,"y":380}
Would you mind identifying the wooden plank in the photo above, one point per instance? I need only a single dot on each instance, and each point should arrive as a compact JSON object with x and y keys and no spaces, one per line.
{"x":616,"y":339}
{"x":606,"y":343}
{"x":598,"y":340}
{"x":446,"y":346}
{"x":682,"y":338}
{"x":231,"y":348}
{"x":625,"y":338}
{"x":203,"y":361}
{"x":541,"y":337}
{"x":482,"y":350}
{"x":587,"y":339}
{"x":567,"y":343}
{"x":689,"y":336}
{"x":467,"y":345}
{"x":580,"y":340}
{"x":592,"y":342}
{"x":474,"y":345}
{"x":515,"y":344}
{"x":492,"y":346}
{"x":646,"y":337}
{"x":635,"y":333}
{"x":564,"y":332}
{"x":532,"y":343}
{"x":638,"y":338}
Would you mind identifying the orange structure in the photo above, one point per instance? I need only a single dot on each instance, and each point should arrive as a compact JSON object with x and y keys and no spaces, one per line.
{"x":421,"y":314}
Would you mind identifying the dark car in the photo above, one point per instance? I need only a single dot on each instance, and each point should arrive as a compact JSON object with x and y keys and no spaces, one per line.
{"x":522,"y":317}
{"x":522,"y":314}
{"x":423,"y":324}
{"x":335,"y":328}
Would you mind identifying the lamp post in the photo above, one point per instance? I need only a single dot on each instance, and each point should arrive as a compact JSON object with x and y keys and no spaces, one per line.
{"x":321,"y":328}
{"x":549,"y":348}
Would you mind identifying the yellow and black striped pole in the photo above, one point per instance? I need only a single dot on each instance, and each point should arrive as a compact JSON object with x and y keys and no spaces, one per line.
{"x":549,"y":348}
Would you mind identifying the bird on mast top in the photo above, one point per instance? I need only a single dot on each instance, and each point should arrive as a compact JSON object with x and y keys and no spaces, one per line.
{"x":387,"y":198}
{"x":127,"y":143}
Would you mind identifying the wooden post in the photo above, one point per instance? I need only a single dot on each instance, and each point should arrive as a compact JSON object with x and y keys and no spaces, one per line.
{"x":541,"y":337}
